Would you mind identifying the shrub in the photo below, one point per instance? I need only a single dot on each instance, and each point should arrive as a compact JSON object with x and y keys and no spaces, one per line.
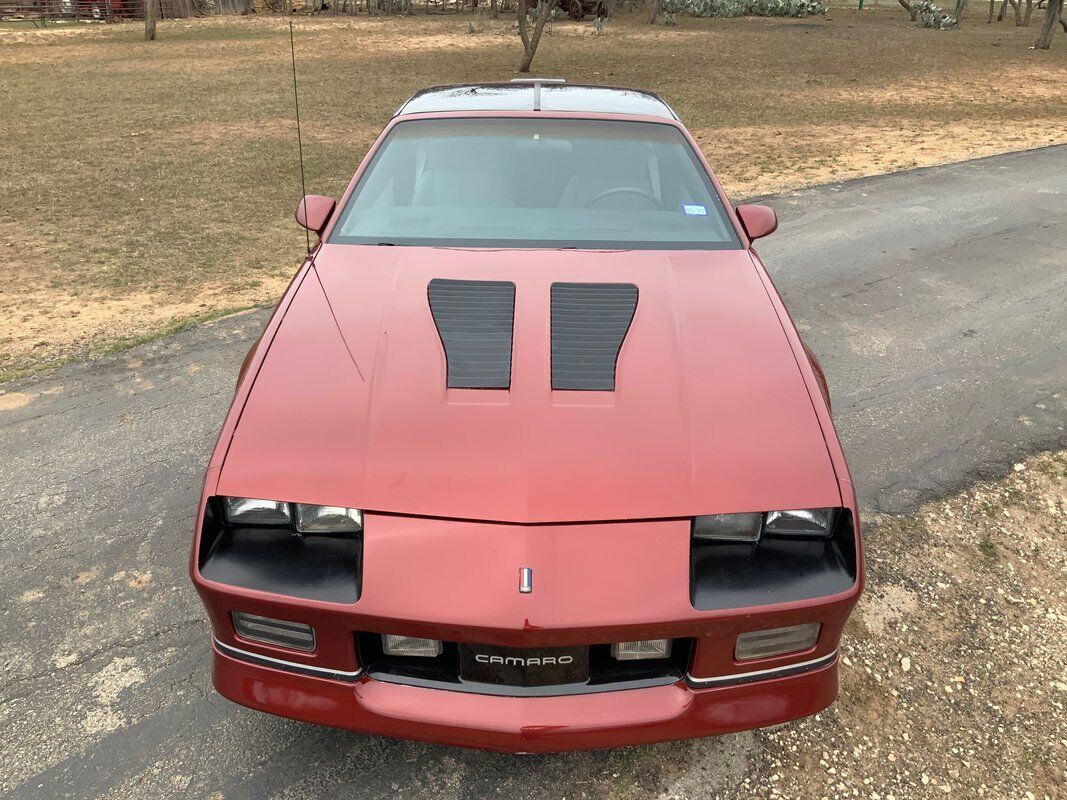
{"x":745,"y":8}
{"x":930,"y":16}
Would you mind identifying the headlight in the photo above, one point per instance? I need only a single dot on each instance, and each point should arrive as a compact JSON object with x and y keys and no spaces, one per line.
{"x":251,"y":511}
{"x":748,"y":527}
{"x":805,"y":522}
{"x":328,"y":519}
{"x":305,"y":517}
{"x":728,"y":527}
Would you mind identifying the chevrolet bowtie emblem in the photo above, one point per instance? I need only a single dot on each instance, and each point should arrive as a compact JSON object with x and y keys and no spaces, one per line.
{"x":525,"y":580}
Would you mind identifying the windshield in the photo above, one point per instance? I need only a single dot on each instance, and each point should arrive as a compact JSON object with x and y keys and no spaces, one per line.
{"x":525,"y":182}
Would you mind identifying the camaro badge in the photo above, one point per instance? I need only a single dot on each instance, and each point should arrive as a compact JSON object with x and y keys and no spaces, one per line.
{"x":525,"y":580}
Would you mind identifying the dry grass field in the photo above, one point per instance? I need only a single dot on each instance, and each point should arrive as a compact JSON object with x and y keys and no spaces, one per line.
{"x":149,"y":184}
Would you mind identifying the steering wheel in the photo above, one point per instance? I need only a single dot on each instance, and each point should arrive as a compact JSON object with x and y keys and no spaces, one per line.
{"x":624,"y":190}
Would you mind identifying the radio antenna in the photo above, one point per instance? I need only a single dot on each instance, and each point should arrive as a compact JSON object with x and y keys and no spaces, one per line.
{"x":299,"y":142}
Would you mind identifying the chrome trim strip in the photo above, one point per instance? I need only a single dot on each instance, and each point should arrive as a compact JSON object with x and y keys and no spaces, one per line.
{"x":762,"y":674}
{"x":289,"y":666}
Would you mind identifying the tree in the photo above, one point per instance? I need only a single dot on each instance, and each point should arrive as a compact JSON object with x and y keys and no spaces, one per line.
{"x":657,"y":7}
{"x":150,"y":20}
{"x":914,"y":9}
{"x":530,"y":41}
{"x":1016,"y":6}
{"x":1053,"y":14}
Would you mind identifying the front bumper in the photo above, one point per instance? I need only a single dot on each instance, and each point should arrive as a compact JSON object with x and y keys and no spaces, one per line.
{"x":526,"y":724}
{"x":458,"y":582}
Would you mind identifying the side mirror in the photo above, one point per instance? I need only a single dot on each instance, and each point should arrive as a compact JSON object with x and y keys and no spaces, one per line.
{"x":313,"y":212}
{"x":758,"y":221}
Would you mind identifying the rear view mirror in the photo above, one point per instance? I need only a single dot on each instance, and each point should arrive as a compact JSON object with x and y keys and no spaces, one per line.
{"x":758,"y":221}
{"x":313,"y":212}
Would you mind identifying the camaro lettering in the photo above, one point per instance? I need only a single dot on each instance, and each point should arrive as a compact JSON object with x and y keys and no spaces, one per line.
{"x":516,"y":661}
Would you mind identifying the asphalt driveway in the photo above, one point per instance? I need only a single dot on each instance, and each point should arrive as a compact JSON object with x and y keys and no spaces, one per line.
{"x":935,"y":299}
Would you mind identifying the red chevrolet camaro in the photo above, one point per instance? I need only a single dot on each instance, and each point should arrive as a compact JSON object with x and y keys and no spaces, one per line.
{"x":530,"y":456}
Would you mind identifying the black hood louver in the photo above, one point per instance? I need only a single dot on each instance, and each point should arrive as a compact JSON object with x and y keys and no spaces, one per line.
{"x":475,"y":320}
{"x":589,"y":324}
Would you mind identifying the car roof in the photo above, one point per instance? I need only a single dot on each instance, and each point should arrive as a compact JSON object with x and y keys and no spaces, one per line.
{"x":536,"y":94}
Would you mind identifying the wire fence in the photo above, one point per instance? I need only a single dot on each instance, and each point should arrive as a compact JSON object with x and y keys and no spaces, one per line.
{"x":44,"y":11}
{"x":41,"y":12}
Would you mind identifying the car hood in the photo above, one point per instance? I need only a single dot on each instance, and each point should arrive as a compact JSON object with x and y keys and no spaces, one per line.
{"x":710,"y":413}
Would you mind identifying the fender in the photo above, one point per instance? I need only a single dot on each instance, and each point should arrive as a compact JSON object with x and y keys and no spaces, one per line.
{"x":819,"y":376}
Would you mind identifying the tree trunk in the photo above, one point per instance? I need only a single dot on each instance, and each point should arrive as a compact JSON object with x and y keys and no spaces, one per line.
{"x":992,"y":7}
{"x":1003,"y":8}
{"x":1029,"y":11}
{"x":657,"y":6}
{"x":1052,"y":15}
{"x":530,"y":41}
{"x":150,"y":20}
{"x":493,"y":9}
{"x":913,"y":11}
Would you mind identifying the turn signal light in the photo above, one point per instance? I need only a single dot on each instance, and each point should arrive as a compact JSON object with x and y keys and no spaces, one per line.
{"x":776,"y":641}
{"x":279,"y":632}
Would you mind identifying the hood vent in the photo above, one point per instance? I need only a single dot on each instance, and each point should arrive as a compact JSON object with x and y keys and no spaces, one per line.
{"x":475,"y":320}
{"x":589,"y":323}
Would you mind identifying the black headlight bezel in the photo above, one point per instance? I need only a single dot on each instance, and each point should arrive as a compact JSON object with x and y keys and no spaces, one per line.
{"x":280,"y":560}
{"x":774,"y":569}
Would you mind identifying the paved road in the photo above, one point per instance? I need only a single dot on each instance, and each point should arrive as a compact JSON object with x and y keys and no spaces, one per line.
{"x":935,"y":298}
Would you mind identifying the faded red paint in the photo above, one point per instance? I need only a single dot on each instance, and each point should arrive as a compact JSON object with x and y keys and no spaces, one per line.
{"x":758,"y":221}
{"x":313,"y":212}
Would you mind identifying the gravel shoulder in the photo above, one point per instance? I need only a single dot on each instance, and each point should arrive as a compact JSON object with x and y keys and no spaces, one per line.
{"x":952,"y":683}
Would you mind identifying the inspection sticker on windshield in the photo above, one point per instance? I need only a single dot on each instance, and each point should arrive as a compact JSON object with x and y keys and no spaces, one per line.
{"x":694,"y":211}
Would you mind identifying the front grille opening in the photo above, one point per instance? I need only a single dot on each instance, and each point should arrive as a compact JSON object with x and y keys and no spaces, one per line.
{"x":502,"y":670}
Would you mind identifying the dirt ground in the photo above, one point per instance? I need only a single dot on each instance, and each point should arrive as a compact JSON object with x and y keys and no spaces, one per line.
{"x":149,"y":184}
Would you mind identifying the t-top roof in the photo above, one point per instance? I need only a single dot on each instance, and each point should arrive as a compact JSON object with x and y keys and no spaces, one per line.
{"x":536,"y":94}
